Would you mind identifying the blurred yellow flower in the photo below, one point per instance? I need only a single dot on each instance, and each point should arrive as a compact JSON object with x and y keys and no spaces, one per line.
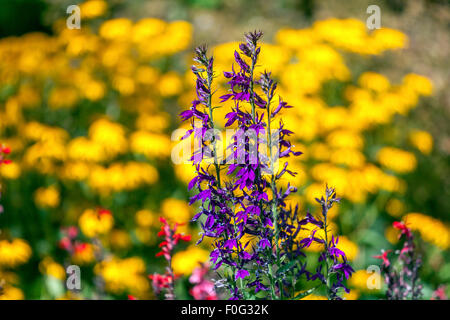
{"x":119,"y":239}
{"x":14,"y":253}
{"x":422,"y":140}
{"x":314,"y":297}
{"x":418,"y":84}
{"x":96,"y":222}
{"x":395,"y":207}
{"x":47,"y":197}
{"x":349,"y":247}
{"x":176,"y":210}
{"x":49,"y":267}
{"x":363,"y":281}
{"x":396,"y":159}
{"x":93,"y":9}
{"x":11,"y":293}
{"x":123,"y":275}
{"x":84,"y":253}
{"x":184,"y":262}
{"x":431,"y":229}
{"x":392,"y":234}
{"x":116,"y":29}
{"x":153,"y":145}
{"x":11,"y":171}
{"x":146,"y":218}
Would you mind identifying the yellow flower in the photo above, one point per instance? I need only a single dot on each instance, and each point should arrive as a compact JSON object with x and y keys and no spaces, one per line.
{"x":93,"y":223}
{"x":360,"y":280}
{"x":153,"y":122}
{"x":153,"y":145}
{"x":352,"y":295}
{"x":116,"y":29}
{"x":145,"y":218}
{"x":349,"y":247}
{"x":396,"y":159}
{"x":11,"y":293}
{"x":347,"y":156}
{"x":11,"y":171}
{"x":184,"y":262}
{"x":146,"y":235}
{"x":374,"y":81}
{"x":123,"y":275}
{"x":121,"y":176}
{"x":422,"y":140}
{"x":119,"y":239}
{"x":49,"y":267}
{"x":345,"y":139}
{"x":170,"y":84}
{"x":392,"y":234}
{"x":93,"y":9}
{"x":314,"y":297}
{"x":84,"y":253}
{"x":431,"y":229}
{"x":176,"y":210}
{"x":76,"y":170}
{"x":418,"y":84}
{"x":110,"y":135}
{"x":395,"y":208}
{"x":64,"y":97}
{"x":47,"y":197}
{"x":388,"y":39}
{"x":14,"y":253}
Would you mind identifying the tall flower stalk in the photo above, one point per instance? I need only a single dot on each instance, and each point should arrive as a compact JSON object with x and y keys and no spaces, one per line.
{"x":333,"y":268}
{"x":171,"y":238}
{"x":255,"y":235}
{"x":402,"y":274}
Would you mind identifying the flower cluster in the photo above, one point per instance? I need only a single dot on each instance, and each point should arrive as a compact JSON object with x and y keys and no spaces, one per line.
{"x":203,"y":288}
{"x":333,"y":268}
{"x":171,"y":239}
{"x":254,"y":231}
{"x":402,"y":274}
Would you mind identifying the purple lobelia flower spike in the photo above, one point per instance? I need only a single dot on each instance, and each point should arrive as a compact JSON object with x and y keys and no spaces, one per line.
{"x":256,"y":244}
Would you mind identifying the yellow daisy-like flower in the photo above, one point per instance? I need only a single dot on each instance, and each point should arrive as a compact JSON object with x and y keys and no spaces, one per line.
{"x":47,"y":197}
{"x":184,"y":262}
{"x":93,"y":223}
{"x":49,"y":267}
{"x":422,"y":140}
{"x":430,"y":229}
{"x":11,"y":293}
{"x":364,"y":281}
{"x":124,"y":275}
{"x":397,"y":160}
{"x":93,"y":9}
{"x":14,"y":253}
{"x":349,"y":247}
{"x":176,"y":210}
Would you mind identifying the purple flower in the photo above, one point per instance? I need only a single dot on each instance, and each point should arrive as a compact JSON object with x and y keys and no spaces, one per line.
{"x":242,"y":274}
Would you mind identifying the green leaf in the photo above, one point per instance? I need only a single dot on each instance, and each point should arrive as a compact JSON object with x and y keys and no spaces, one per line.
{"x":286,"y":267}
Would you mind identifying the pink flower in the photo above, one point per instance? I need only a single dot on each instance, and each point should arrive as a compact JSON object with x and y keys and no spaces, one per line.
{"x":384,"y":256}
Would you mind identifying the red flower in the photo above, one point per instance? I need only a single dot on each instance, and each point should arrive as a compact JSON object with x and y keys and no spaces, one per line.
{"x":161,"y":281}
{"x":65,"y":243}
{"x":80,"y":247}
{"x":404,"y":229}
{"x":171,"y":238}
{"x":4,"y":151}
{"x":103,"y":211}
{"x":384,"y":256}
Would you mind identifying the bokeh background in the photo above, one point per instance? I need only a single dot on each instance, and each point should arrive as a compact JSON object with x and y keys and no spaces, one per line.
{"x":89,"y":114}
